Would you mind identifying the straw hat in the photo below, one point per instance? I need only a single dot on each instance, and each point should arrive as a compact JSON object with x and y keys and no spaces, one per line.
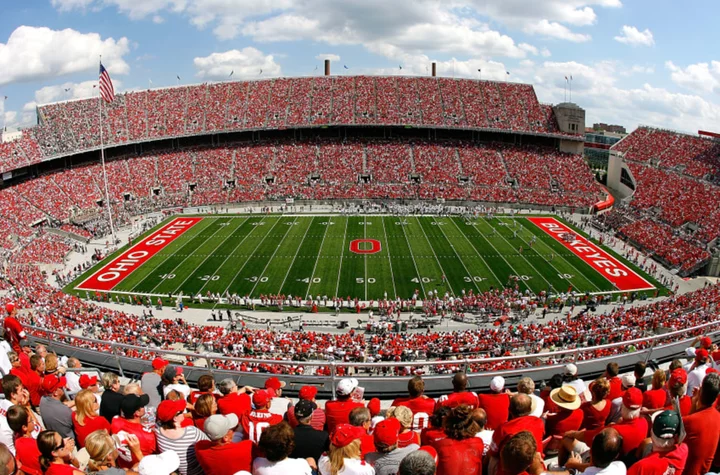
{"x":565,"y":397}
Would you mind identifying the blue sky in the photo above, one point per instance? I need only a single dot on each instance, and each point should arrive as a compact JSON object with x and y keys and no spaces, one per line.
{"x":633,"y":62}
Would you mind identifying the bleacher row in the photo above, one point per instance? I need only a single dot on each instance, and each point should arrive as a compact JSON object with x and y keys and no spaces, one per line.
{"x":239,"y":174}
{"x":74,"y":126}
{"x":673,"y":211}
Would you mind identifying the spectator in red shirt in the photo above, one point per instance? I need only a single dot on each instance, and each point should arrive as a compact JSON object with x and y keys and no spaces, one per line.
{"x":520,"y":421}
{"x":595,"y":414}
{"x":632,"y":428}
{"x":460,"y":394}
{"x":85,"y":418}
{"x":405,"y":417}
{"x":569,"y":417}
{"x":259,"y":418}
{"x":460,"y":452}
{"x":220,"y":455}
{"x":703,"y":428}
{"x":677,"y":387}
{"x":496,"y":403}
{"x":555,"y":382}
{"x":33,"y":379}
{"x":656,"y":398}
{"x":14,"y":332}
{"x":435,"y":431}
{"x":56,"y":454}
{"x":611,"y":374}
{"x":26,"y":451}
{"x":421,"y":405}
{"x":338,"y":411}
{"x":307,"y":393}
{"x":132,"y":410}
{"x":206,"y":385}
{"x":234,"y":401}
{"x":668,"y":453}
{"x":205,"y":406}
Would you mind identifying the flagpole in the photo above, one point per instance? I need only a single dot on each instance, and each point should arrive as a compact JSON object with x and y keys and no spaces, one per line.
{"x":570,"y":83}
{"x":102,"y":160}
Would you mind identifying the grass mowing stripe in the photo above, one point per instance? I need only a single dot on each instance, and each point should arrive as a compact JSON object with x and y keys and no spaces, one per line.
{"x":558,"y":249}
{"x":209,"y":256}
{"x":520,"y":262}
{"x":342,"y":254}
{"x":387,"y":250}
{"x":476,"y":266}
{"x":430,"y":268}
{"x":234,"y":286}
{"x":171,"y":266}
{"x":130,"y":283}
{"x":352,"y":276}
{"x":264,"y":284}
{"x":379,"y":279}
{"x":328,"y":262}
{"x":297,"y":282}
{"x":400,"y":257}
{"x":403,"y":224}
{"x":494,"y":259}
{"x":448,"y":259}
{"x":578,"y":280}
{"x":304,"y":251}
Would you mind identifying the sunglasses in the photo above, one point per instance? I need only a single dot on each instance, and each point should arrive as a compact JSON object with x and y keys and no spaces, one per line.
{"x":60,"y":447}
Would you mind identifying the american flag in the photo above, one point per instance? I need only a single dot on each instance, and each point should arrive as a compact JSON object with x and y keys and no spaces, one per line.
{"x":106,"y":86}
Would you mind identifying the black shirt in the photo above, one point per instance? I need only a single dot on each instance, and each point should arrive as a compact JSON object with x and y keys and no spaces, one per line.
{"x":110,"y":404}
{"x":310,"y":442}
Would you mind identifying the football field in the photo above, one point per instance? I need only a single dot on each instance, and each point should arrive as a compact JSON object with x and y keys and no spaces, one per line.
{"x":368,"y":257}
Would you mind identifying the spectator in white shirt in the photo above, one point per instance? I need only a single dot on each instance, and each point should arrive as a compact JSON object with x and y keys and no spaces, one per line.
{"x":527,"y":386}
{"x":571,"y":379}
{"x":697,"y":370}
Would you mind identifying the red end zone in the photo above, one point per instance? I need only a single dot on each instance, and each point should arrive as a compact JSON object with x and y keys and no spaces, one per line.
{"x":616,"y":272}
{"x":124,"y":265}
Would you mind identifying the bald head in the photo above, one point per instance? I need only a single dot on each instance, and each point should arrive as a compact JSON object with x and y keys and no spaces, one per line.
{"x":606,"y":447}
{"x":520,"y":405}
{"x":480,"y":417}
{"x":459,"y":381}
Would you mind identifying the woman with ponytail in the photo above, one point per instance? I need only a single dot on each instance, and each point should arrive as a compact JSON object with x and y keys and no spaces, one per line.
{"x":460,"y":451}
{"x":103,"y":453}
{"x":56,"y":454}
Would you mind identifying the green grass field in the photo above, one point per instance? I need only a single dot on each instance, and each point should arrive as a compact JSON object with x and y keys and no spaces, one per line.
{"x":256,"y":255}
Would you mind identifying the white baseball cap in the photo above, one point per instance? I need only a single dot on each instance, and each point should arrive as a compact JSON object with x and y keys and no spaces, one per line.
{"x":571,"y":369}
{"x":497,"y":384}
{"x":347,"y":386}
{"x":628,"y":380}
{"x":161,"y":464}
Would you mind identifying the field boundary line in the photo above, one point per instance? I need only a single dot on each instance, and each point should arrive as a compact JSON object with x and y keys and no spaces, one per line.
{"x":342,"y":254}
{"x":273,"y":255}
{"x":296,"y":254}
{"x":387,"y":244}
{"x":190,"y":274}
{"x":500,"y":283}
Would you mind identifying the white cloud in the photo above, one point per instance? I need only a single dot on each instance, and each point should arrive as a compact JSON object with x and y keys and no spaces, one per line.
{"x":696,"y":77}
{"x":632,"y":36}
{"x":245,"y":63}
{"x":332,"y":57}
{"x":35,"y":54}
{"x":545,"y":53}
{"x":68,"y":91}
{"x":555,"y":30}
{"x":157,"y":19}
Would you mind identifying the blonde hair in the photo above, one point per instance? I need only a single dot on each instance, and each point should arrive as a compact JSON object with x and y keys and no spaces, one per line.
{"x":339,"y":454}
{"x":659,"y":378}
{"x":403,"y":414}
{"x":51,"y":363}
{"x":133,"y":388}
{"x":108,"y":379}
{"x":99,"y":445}
{"x":84,"y":405}
{"x":203,"y":405}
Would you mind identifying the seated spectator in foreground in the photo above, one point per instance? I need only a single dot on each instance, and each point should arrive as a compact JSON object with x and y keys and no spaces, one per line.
{"x":611,"y":375}
{"x":616,"y":405}
{"x":702,"y":427}
{"x":112,"y":398}
{"x":206,"y":385}
{"x":91,"y":384}
{"x":602,"y":459}
{"x":520,"y":421}
{"x":639,"y":373}
{"x":130,"y":421}
{"x":338,"y":411}
{"x":361,"y":418}
{"x":172,"y":436}
{"x":656,"y":397}
{"x":220,"y":455}
{"x":56,"y":415}
{"x":56,"y":454}
{"x":33,"y":379}
{"x":205,"y":406}
{"x":405,"y":417}
{"x":26,"y":451}
{"x":496,"y":403}
{"x":632,"y":428}
{"x":435,"y":430}
{"x":697,"y":369}
{"x":279,"y":404}
{"x":571,"y":378}
{"x":278,"y":442}
{"x":419,"y":462}
{"x":420,"y":405}
{"x":386,"y":460}
{"x":460,"y":394}
{"x":174,"y":380}
{"x":307,"y":393}
{"x":234,"y":401}
{"x":460,"y":452}
{"x":555,"y":382}
{"x":152,"y":381}
{"x":73,"y":377}
{"x":85,"y":418}
{"x":103,"y":453}
{"x":15,"y":394}
{"x":669,"y":454}
{"x":520,"y":455}
{"x":527,"y":386}
{"x":344,"y":456}
{"x":569,"y":417}
{"x":309,"y":442}
{"x":677,"y":386}
{"x":259,"y":418}
{"x":595,"y":413}
{"x":485,"y":435}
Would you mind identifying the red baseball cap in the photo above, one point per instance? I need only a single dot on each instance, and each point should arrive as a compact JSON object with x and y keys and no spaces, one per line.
{"x":387,"y":432}
{"x":678,"y":377}
{"x":261,"y":398}
{"x":374,"y":406}
{"x":633,"y":398}
{"x":345,"y":434}
{"x":159,"y":363}
{"x":307,"y":392}
{"x":9,"y":307}
{"x":275,"y":384}
{"x":706,"y":342}
{"x":711,"y":370}
{"x":429,"y":449}
{"x":701,"y":354}
{"x":51,"y":383}
{"x":86,"y":381}
{"x":168,"y":409}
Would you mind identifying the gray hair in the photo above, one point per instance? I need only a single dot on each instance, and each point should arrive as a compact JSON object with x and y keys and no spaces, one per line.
{"x":629,"y":414}
{"x":226,"y":386}
{"x":418,"y":462}
{"x":662,"y":445}
{"x":108,"y":379}
{"x":526,"y":385}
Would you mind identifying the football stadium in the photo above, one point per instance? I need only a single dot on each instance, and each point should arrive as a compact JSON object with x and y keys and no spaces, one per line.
{"x":341,"y":273}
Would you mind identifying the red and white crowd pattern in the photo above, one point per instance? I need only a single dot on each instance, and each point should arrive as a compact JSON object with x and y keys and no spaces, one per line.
{"x":126,"y":263}
{"x":613,"y":270}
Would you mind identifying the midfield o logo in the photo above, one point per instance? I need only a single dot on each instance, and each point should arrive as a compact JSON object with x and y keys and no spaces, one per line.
{"x":365,"y":246}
